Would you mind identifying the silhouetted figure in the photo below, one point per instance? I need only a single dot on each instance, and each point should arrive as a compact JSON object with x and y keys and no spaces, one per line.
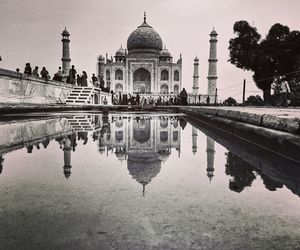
{"x":29,"y":149}
{"x":84,"y":79}
{"x":46,"y":142}
{"x":72,"y":138}
{"x":102,"y":83}
{"x":95,"y":80}
{"x":17,"y":70}
{"x":27,"y":69}
{"x":83,"y":136}
{"x":44,"y":73}
{"x":183,"y":97}
{"x":1,"y":163}
{"x":35,"y":72}
{"x":78,"y":79}
{"x":182,"y":123}
{"x":72,"y":75}
{"x":138,"y":99}
{"x":208,"y":100}
{"x":58,"y":76}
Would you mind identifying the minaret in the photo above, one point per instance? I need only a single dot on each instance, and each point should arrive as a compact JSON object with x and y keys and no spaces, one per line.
{"x":196,"y":76}
{"x":210,"y":150}
{"x":101,"y":62}
{"x":212,"y":66}
{"x":66,"y":60}
{"x":194,"y":139}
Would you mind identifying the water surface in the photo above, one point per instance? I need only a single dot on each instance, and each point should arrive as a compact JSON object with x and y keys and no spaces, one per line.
{"x":140,"y":181}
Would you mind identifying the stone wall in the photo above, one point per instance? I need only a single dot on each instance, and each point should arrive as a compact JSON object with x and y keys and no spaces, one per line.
{"x":20,"y":88}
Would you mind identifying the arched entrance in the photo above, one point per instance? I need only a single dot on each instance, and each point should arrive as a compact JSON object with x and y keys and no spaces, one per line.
{"x":141,"y":81}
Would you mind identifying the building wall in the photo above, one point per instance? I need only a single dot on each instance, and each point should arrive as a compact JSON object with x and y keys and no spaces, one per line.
{"x":19,"y":88}
{"x":148,"y":62}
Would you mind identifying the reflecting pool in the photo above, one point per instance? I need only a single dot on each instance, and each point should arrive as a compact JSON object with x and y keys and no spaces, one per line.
{"x":141,"y":181}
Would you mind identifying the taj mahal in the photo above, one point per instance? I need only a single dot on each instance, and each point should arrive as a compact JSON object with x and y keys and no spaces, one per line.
{"x":147,"y":67}
{"x":144,"y":67}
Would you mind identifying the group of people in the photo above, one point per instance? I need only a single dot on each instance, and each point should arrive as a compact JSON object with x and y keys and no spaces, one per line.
{"x":72,"y":78}
{"x":35,"y":72}
{"x":136,"y":99}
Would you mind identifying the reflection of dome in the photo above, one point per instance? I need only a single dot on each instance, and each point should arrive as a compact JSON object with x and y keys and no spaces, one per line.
{"x":144,"y":37}
{"x":143,"y":167}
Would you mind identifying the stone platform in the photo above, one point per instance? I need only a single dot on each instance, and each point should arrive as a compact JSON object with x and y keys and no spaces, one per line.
{"x":282,"y":119}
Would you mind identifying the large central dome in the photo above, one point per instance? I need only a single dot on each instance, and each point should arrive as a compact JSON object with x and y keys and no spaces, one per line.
{"x":144,"y":37}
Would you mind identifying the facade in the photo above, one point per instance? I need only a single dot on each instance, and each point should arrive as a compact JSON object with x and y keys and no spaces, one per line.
{"x":145,"y":67}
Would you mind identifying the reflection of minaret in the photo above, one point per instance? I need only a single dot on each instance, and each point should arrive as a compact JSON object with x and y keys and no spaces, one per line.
{"x":67,"y":157}
{"x":210,"y":149}
{"x":194,"y":139}
{"x":212,"y":66}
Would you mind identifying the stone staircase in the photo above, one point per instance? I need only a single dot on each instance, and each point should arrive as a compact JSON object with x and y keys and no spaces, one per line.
{"x":80,"y":95}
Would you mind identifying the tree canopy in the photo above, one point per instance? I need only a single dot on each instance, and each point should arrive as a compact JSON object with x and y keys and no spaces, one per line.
{"x":275,"y":55}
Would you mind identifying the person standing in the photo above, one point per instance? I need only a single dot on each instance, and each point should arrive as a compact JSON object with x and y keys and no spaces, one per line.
{"x":84,"y":79}
{"x":27,"y":69}
{"x":58,"y":75}
{"x":72,"y":74}
{"x":183,"y":97}
{"x":285,"y":91}
{"x":95,"y":80}
{"x":44,"y":73}
{"x":35,"y":72}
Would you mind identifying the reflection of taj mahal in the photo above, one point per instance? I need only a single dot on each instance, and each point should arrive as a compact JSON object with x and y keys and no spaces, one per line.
{"x":146,"y":67}
{"x":144,"y":141}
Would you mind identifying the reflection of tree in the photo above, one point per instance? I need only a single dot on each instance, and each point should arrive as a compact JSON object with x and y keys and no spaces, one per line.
{"x":241,"y":171}
{"x":269,"y":183}
{"x":243,"y":176}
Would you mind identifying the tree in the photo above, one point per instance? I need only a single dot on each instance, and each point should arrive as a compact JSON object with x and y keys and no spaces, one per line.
{"x":275,"y":55}
{"x":254,"y":101}
{"x":230,"y":101}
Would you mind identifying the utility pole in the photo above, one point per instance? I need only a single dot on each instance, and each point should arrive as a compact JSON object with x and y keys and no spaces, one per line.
{"x":244,"y":90}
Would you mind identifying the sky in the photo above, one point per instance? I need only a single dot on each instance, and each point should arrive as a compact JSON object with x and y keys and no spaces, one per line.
{"x":30,"y":31}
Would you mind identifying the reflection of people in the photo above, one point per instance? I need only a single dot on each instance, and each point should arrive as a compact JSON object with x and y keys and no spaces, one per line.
{"x":29,"y":149}
{"x":46,"y":142}
{"x":1,"y":163}
{"x":83,"y":136}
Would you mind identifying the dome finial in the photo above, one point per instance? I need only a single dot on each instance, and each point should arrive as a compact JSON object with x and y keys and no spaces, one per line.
{"x":144,"y":16}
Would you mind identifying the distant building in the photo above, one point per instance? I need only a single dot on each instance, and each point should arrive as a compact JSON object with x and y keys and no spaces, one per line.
{"x":145,"y":67}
